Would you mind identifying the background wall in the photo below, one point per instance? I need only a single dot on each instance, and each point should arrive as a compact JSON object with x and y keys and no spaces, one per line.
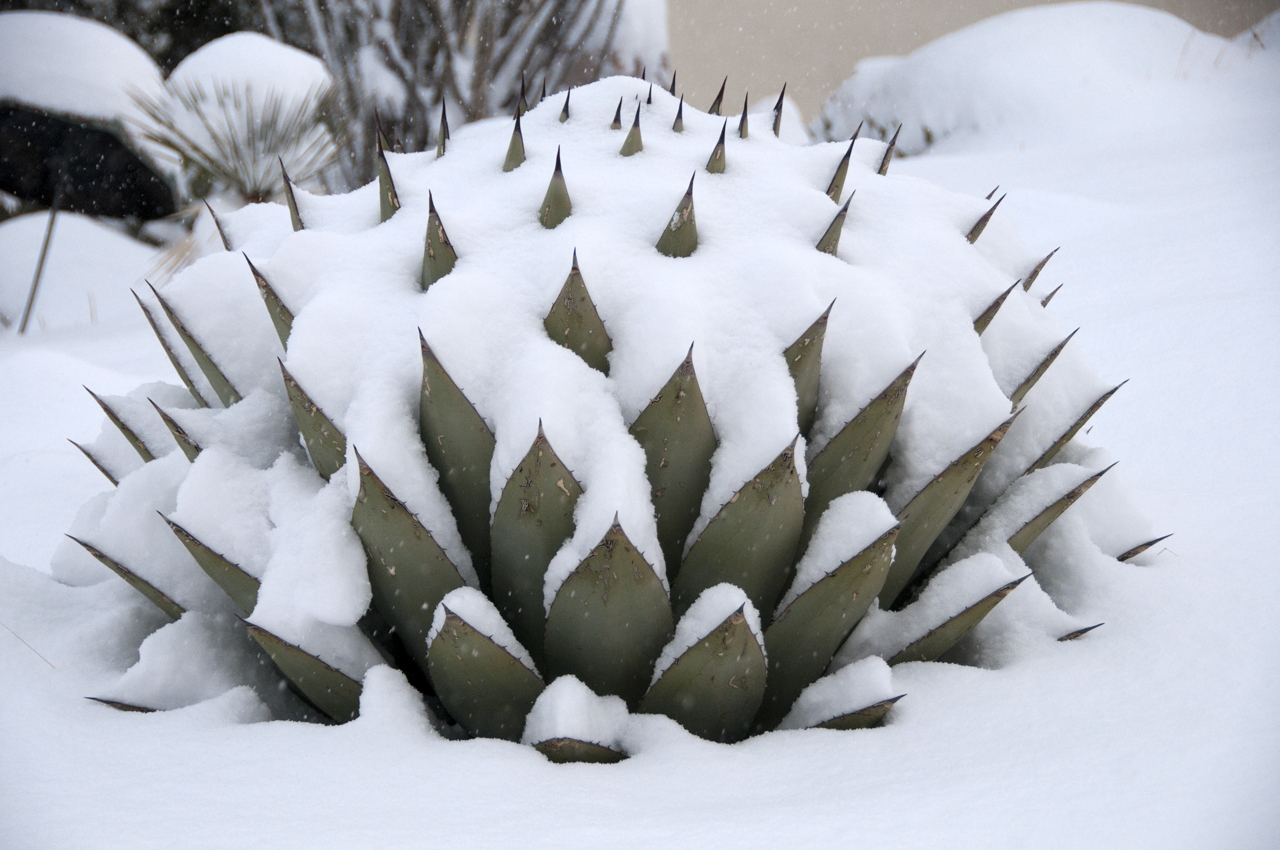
{"x":813,"y":45}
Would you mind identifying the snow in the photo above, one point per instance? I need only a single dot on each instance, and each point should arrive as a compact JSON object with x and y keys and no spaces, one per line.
{"x":712,"y":607}
{"x":569,"y":709}
{"x":479,"y":613}
{"x":254,"y":60}
{"x":852,"y":688}
{"x":1166,"y":215}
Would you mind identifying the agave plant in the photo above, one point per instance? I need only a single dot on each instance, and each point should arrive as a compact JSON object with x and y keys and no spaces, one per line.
{"x":739,"y":553}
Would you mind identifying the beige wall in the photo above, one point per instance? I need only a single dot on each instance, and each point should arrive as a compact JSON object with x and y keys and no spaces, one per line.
{"x":814,"y":44}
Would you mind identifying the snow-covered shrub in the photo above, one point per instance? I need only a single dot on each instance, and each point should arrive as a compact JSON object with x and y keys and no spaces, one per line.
{"x":719,"y":526}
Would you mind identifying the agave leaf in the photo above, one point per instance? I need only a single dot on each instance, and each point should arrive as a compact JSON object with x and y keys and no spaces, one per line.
{"x":888,"y":153}
{"x":633,"y":144}
{"x":616,"y":124}
{"x":173,"y":358}
{"x":714,"y":689}
{"x":1139,"y":549}
{"x":678,"y":125}
{"x":442,"y":138}
{"x":678,"y":441}
{"x":331,"y":691}
{"x":486,"y":689}
{"x":571,"y":750}
{"x":281,"y":316}
{"x":543,"y":94}
{"x":864,"y":718}
{"x":1022,"y":539}
{"x":1035,"y":273}
{"x":189,"y":446}
{"x":227,"y":393}
{"x":133,"y":439}
{"x":980,"y":324}
{"x":836,"y":187}
{"x":1052,"y":452}
{"x":672,"y":90}
{"x":929,"y":511}
{"x":1049,"y":297}
{"x":715,"y":104}
{"x":381,"y":136}
{"x":803,"y":639}
{"x":830,"y":240}
{"x":742,"y":122}
{"x":171,"y":609}
{"x":325,"y":443}
{"x":222,"y":234}
{"x":556,"y":205}
{"x":438,"y":258}
{"x":680,"y":237}
{"x":533,"y":518}
{"x":854,"y":456}
{"x":649,"y":100}
{"x":460,"y":447}
{"x":564,"y":112}
{"x":408,"y":572}
{"x":123,"y":706}
{"x":947,"y":635}
{"x":804,"y":359}
{"x":1037,"y":373}
{"x":239,"y":585}
{"x":290,"y":200}
{"x":750,"y":543}
{"x":610,"y":620}
{"x":777,"y":111}
{"x":574,"y":323}
{"x":388,"y":201}
{"x":522,"y":105}
{"x":96,"y":463}
{"x":715,"y":165}
{"x":1078,"y":633}
{"x":981,"y":224}
{"x":515,"y":150}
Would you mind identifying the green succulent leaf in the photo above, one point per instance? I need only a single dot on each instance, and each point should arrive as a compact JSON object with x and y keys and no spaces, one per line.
{"x":854,"y":456}
{"x":1022,"y":539}
{"x":715,"y":104}
{"x":123,"y":706}
{"x":633,"y":144}
{"x":290,"y":201}
{"x":227,"y":393}
{"x":486,"y":688}
{"x":680,"y":237}
{"x":171,"y":609}
{"x":1035,"y":273}
{"x":1052,"y":452}
{"x":388,"y":200}
{"x":1049,"y":297}
{"x":133,"y":439}
{"x":325,"y":443}
{"x":408,"y":572}
{"x":864,"y":718}
{"x":678,"y":441}
{"x":929,"y":511}
{"x":678,"y":125}
{"x":173,"y":358}
{"x":803,"y":639}
{"x":222,"y":234}
{"x":750,"y":543}
{"x":715,"y":165}
{"x":442,"y":138}
{"x":1139,"y":549}
{"x":981,"y":224}
{"x":742,"y":121}
{"x":556,"y":205}
{"x":836,"y":187}
{"x":239,"y":585}
{"x":515,"y":150}
{"x":1078,"y":633}
{"x":571,"y":750}
{"x":281,"y":316}
{"x":804,"y":359}
{"x":564,"y":112}
{"x":533,"y":519}
{"x":438,"y":257}
{"x":947,"y":635}
{"x":714,"y":689}
{"x":616,"y":123}
{"x":830,"y":241}
{"x":574,"y":323}
{"x":888,"y":153}
{"x":331,"y":691}
{"x":777,"y":111}
{"x":460,"y":447}
{"x":610,"y":620}
{"x":1037,"y":373}
{"x":189,"y":446}
{"x":96,"y":463}
{"x":984,"y":319}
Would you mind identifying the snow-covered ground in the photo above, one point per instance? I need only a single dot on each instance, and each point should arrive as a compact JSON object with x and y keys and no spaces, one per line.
{"x":1152,"y":160}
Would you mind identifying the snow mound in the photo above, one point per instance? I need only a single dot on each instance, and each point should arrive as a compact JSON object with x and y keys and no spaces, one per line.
{"x":254,"y":60}
{"x":569,"y":709}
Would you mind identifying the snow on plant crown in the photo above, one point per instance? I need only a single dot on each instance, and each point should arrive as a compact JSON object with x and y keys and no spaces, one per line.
{"x":546,"y":409}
